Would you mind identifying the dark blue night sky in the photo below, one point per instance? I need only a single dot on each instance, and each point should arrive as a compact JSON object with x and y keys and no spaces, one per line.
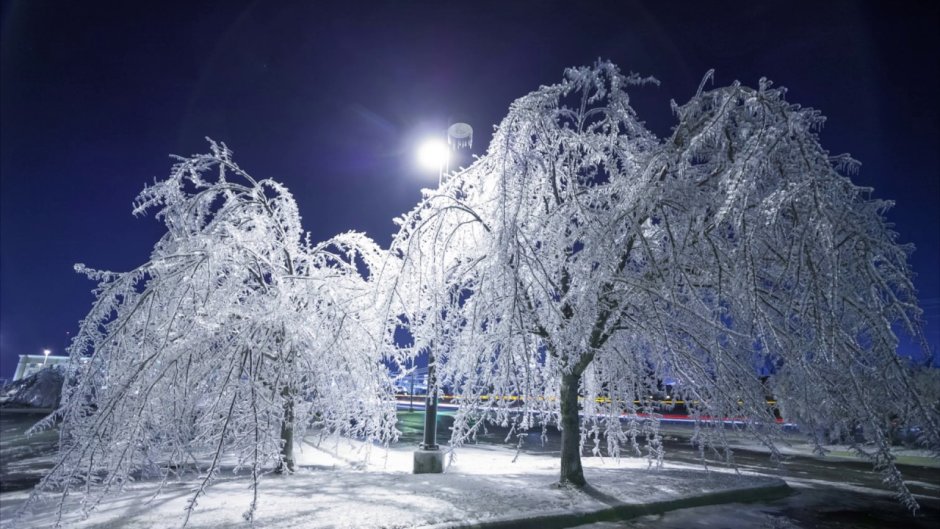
{"x":332,"y":101}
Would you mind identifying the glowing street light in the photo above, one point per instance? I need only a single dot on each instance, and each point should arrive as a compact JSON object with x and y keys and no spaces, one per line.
{"x":433,"y":155}
{"x":46,"y":359}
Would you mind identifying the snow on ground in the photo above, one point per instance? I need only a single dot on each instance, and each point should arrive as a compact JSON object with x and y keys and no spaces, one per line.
{"x":334,"y":488}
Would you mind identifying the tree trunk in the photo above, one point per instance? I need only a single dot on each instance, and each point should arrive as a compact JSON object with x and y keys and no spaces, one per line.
{"x":286,"y":464}
{"x":571,"y":471}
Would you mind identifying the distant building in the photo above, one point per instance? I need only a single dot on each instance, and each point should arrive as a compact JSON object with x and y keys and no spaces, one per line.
{"x":30,"y":364}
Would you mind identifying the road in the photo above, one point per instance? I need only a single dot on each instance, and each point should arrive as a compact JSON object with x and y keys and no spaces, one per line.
{"x":828,"y":493}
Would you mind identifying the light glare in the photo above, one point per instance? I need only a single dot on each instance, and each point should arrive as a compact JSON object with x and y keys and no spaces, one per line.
{"x":433,"y":154}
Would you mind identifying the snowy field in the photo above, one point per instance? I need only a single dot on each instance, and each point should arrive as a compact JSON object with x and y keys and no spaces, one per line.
{"x":335,"y":488}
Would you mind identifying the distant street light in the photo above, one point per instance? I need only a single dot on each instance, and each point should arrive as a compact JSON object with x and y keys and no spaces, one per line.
{"x":46,"y":359}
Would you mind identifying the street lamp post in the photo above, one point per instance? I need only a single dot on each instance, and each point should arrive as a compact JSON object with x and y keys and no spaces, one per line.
{"x":430,"y":407}
{"x":411,"y":393}
{"x":430,"y":403}
{"x":46,"y":352}
{"x":429,"y":459}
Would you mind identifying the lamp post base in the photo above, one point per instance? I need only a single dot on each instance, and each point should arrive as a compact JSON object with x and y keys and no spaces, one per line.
{"x":428,"y":460}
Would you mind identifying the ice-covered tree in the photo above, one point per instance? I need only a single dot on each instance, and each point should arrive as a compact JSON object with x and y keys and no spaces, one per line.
{"x":236,"y":336}
{"x":583,"y":260}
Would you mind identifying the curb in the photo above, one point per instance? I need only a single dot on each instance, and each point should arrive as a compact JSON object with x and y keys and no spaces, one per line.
{"x":625,"y":511}
{"x":25,"y":409}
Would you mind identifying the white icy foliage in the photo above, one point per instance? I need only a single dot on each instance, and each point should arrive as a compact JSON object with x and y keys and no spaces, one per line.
{"x":582,"y":248}
{"x":235,"y":336}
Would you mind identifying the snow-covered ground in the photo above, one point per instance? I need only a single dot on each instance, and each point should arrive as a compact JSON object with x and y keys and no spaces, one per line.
{"x":334,"y":488}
